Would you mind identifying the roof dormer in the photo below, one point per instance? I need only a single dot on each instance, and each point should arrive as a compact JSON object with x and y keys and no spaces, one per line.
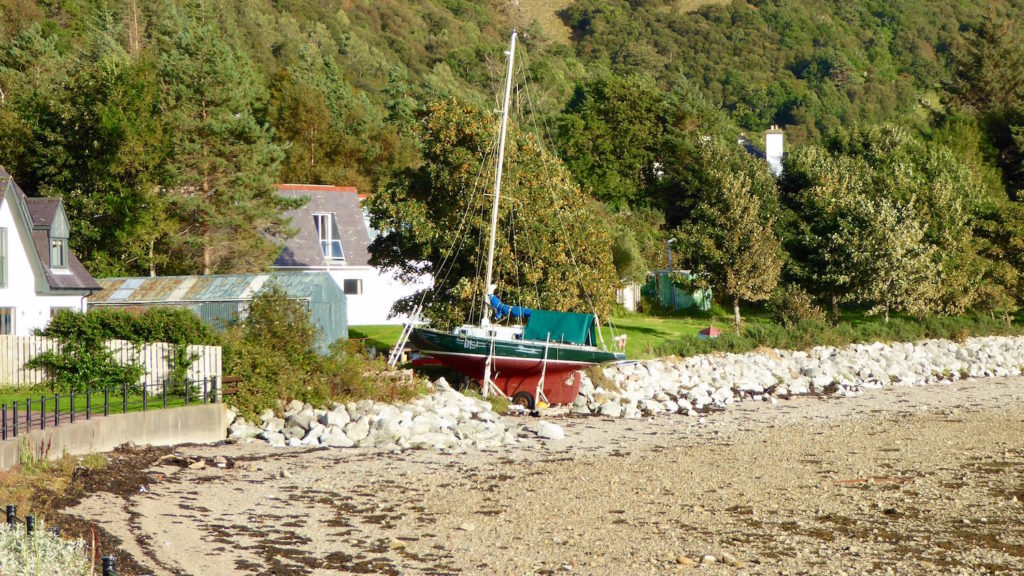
{"x":58,"y":235}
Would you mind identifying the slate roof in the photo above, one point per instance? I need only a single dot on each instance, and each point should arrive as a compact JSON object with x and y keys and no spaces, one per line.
{"x":751,"y":148}
{"x":303,"y":250}
{"x":42,"y":211}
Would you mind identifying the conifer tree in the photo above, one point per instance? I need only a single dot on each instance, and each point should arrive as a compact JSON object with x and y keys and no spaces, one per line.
{"x":222,"y":164}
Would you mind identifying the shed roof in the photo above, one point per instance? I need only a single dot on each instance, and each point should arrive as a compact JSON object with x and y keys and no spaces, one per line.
{"x":303,"y":250}
{"x":168,"y":289}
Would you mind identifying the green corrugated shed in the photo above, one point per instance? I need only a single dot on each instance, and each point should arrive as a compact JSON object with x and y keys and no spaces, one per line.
{"x":659,"y":288}
{"x":221,"y":299}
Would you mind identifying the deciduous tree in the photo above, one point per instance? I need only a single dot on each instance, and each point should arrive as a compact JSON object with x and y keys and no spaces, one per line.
{"x":552,"y":251}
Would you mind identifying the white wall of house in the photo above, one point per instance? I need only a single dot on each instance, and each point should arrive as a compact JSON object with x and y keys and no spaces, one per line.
{"x":31,"y":310}
{"x":380,"y":290}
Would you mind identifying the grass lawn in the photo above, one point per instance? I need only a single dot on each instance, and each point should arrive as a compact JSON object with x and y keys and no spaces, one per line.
{"x":381,"y":336}
{"x":9,"y":396}
{"x":645,"y":333}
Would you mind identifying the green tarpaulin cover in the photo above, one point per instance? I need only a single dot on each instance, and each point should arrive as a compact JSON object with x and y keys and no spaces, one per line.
{"x":562,"y":326}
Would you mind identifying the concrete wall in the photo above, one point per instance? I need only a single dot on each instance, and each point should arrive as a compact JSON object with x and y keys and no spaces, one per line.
{"x":164,"y":427}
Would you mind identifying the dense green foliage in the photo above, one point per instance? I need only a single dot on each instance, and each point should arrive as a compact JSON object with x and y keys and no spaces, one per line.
{"x":274,"y":351}
{"x":83,"y":360}
{"x":158,"y":324}
{"x":164,"y":126}
{"x":553,"y":251}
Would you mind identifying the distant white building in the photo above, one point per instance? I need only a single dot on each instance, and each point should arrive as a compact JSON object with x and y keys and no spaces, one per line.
{"x":38,"y":272}
{"x":334,"y":235}
{"x":774,"y":149}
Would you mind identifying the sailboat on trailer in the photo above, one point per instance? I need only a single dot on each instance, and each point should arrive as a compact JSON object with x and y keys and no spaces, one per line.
{"x":539,"y":360}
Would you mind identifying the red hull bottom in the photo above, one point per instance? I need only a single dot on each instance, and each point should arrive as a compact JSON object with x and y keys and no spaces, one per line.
{"x":513,"y":375}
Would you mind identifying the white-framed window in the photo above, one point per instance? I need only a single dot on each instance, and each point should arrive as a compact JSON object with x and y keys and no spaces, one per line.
{"x":3,"y":257}
{"x":58,"y":253}
{"x":6,"y":321}
{"x":327,"y":232}
{"x":55,"y":309}
{"x":352,"y":286}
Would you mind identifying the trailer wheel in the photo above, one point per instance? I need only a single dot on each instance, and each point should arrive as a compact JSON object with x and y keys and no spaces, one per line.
{"x":524,"y":399}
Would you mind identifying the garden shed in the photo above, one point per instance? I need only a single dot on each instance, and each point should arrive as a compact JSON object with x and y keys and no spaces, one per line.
{"x":659,"y":288}
{"x":221,"y":299}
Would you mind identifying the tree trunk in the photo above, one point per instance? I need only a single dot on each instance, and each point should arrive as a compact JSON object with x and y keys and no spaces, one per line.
{"x":152,"y":261}
{"x":207,"y":256}
{"x":886,"y":314}
{"x":835,"y":308}
{"x":736,"y":312}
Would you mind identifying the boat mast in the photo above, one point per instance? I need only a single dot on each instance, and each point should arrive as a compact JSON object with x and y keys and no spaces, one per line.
{"x":488,"y":290}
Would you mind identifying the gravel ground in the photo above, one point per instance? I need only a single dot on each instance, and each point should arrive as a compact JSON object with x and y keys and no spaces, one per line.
{"x":918,"y":480}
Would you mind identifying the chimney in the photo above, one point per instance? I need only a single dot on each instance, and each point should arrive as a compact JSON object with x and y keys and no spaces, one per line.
{"x":774,"y":149}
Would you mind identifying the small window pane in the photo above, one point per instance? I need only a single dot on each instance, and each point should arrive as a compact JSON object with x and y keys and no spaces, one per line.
{"x":353,"y":286}
{"x":6,"y":321}
{"x":58,"y":254}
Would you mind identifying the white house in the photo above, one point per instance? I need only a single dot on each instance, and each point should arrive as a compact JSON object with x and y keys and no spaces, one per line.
{"x":334,"y":235}
{"x":774,"y":149}
{"x":38,"y":272}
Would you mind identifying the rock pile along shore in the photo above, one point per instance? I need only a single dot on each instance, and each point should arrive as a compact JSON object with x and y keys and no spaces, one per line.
{"x":448,"y":420}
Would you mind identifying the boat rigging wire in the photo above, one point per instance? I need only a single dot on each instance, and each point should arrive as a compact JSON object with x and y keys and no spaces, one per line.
{"x":523,"y":62}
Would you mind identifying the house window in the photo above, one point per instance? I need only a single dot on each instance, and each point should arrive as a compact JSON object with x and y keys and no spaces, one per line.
{"x":54,"y":310}
{"x":327,"y":232}
{"x":6,"y":321}
{"x":3,"y":257}
{"x":353,"y":286}
{"x":58,"y":253}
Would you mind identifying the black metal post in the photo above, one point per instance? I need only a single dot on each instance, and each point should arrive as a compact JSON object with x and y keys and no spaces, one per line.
{"x":108,"y":566}
{"x":5,"y":422}
{"x":72,"y":401}
{"x":88,"y":404}
{"x":14,"y":418}
{"x":204,"y":390}
{"x":28,"y":414}
{"x":165,"y":393}
{"x":30,"y":524}
{"x":42,"y":412}
{"x":106,"y":401}
{"x":56,"y":410}
{"x":12,"y":515}
{"x":144,"y":398}
{"x":124,"y":398}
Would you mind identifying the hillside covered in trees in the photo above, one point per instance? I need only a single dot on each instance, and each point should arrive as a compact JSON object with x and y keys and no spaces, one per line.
{"x":164,"y":125}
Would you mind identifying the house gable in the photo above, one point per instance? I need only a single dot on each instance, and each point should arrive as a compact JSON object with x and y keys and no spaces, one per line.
{"x":40,"y":222}
{"x":19,"y":245}
{"x":331,"y":231}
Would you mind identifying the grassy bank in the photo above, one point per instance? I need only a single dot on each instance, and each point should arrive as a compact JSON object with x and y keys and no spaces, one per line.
{"x":650,"y":336}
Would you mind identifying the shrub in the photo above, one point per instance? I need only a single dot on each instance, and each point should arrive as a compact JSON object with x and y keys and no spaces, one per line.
{"x":84,"y":362}
{"x":41,"y":553}
{"x":159,"y":324}
{"x":791,"y":304}
{"x":274,"y":350}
